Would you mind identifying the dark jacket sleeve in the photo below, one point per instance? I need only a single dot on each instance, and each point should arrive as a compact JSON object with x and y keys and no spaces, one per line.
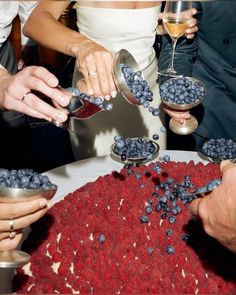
{"x":185,"y":54}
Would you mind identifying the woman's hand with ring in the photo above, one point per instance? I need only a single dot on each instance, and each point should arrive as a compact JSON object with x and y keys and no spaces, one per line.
{"x":14,"y":217}
{"x":95,"y":63}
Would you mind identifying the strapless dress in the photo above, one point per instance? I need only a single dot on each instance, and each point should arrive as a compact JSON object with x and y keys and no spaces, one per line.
{"x":115,"y":29}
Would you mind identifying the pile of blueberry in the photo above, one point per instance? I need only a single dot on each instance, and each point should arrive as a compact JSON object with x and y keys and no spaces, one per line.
{"x":103,"y":105}
{"x":182,"y":90}
{"x":220,"y":148}
{"x":168,"y":199}
{"x":139,"y":88}
{"x":134,"y":148}
{"x":24,"y":178}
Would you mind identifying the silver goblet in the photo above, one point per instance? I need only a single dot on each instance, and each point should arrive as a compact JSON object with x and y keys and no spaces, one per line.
{"x":16,"y":258}
{"x":190,"y":125}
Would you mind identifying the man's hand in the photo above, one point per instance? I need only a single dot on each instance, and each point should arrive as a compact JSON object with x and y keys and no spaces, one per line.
{"x":218,"y":209}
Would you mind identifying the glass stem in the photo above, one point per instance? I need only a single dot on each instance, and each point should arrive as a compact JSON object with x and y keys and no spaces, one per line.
{"x":171,"y":66}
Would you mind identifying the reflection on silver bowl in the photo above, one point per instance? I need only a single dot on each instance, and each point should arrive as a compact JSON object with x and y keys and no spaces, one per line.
{"x":125,"y":58}
{"x":117,"y":157}
{"x":8,"y":194}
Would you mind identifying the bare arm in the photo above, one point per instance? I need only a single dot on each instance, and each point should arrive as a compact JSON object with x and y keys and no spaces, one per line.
{"x":43,"y":26}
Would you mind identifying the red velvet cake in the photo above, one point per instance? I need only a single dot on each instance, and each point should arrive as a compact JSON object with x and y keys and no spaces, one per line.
{"x":110,"y":237}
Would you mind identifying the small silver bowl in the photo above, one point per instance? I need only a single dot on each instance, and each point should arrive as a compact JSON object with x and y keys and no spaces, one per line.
{"x":190,"y":125}
{"x":124,"y":57}
{"x":117,"y":158}
{"x":15,"y":258}
{"x":213,"y":159}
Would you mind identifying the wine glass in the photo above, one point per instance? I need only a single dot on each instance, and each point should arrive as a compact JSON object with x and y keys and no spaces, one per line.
{"x":176,"y":18}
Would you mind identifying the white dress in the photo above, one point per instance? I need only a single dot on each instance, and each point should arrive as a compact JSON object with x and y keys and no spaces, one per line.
{"x":115,"y":29}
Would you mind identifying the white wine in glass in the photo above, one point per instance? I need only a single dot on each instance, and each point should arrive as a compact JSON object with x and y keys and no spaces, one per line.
{"x":176,"y":18}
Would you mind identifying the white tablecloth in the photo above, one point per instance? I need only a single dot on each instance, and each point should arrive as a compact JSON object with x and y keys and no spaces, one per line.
{"x":74,"y":175}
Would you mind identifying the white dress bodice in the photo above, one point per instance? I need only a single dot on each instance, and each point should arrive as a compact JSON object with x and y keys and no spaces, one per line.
{"x":115,"y":29}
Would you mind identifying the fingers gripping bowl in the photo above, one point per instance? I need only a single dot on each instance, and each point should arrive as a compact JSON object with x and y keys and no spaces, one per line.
{"x":21,"y":186}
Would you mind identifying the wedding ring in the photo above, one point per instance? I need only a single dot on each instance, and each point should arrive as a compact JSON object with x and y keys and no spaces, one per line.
{"x":12,"y":235}
{"x":24,"y":96}
{"x":11,"y":225}
{"x":92,"y":73}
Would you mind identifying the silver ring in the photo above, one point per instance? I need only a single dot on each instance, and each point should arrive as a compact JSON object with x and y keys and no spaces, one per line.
{"x":12,"y":235}
{"x":24,"y":96}
{"x":11,"y":225}
{"x":92,"y":73}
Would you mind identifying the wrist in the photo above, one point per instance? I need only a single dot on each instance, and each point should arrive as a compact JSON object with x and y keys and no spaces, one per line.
{"x":74,"y":47}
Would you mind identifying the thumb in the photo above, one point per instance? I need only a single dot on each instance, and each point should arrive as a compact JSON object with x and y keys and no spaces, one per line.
{"x":193,"y":207}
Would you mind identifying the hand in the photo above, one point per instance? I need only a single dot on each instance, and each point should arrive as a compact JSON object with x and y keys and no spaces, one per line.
{"x":22,"y":215}
{"x":180,"y":116}
{"x":29,"y":56}
{"x":15,"y":93}
{"x":95,"y":63}
{"x":218,"y":209}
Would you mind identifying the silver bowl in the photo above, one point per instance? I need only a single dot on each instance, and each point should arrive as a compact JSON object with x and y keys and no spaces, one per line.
{"x":187,"y":106}
{"x":190,"y":125}
{"x":8,"y":194}
{"x":213,"y":159}
{"x":117,"y":158}
{"x":16,"y":258}
{"x":124,"y":57}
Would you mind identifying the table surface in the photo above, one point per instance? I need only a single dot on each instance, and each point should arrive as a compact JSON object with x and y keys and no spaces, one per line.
{"x":72,"y":176}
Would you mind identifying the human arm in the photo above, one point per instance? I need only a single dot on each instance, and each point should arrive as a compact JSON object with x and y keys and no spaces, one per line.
{"x":22,"y":215}
{"x":29,"y":48}
{"x":218,"y":209}
{"x":14,"y":87}
{"x":44,"y":27}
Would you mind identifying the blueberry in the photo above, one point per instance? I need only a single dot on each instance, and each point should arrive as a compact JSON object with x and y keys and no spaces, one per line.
{"x":172,"y":219}
{"x":170,"y":250}
{"x":144,"y":219}
{"x":166,"y":158}
{"x":148,"y":209}
{"x":150,"y":250}
{"x":169,"y":232}
{"x":101,"y":238}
